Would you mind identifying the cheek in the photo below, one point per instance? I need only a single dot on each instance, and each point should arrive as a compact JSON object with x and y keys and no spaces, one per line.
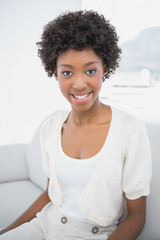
{"x":63,"y":86}
{"x":98,"y":81}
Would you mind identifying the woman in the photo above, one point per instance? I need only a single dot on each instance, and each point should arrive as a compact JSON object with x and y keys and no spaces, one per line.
{"x":95,"y":156}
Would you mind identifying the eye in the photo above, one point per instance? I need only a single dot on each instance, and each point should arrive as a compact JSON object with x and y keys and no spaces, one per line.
{"x":67,"y":73}
{"x":91,"y":71}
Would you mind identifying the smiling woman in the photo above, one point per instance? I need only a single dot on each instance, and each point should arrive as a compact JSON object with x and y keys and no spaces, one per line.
{"x":90,"y":152}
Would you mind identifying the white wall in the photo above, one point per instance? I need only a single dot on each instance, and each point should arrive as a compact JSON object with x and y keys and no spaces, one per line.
{"x":27,"y":95}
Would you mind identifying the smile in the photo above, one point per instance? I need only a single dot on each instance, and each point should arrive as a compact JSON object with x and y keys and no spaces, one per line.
{"x":81,"y":96}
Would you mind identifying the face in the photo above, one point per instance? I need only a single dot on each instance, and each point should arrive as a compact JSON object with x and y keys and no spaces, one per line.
{"x":79,"y":74}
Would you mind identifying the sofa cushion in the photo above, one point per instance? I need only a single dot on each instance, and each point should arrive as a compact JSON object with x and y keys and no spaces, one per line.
{"x":15,"y":198}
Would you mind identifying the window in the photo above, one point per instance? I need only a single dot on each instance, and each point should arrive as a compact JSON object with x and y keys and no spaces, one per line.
{"x":135,"y":87}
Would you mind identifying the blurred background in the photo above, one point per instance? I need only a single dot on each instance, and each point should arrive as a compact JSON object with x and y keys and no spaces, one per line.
{"x":28,"y":95}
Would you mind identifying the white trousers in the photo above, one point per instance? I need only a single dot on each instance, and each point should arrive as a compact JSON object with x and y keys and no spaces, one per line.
{"x":50,"y":224}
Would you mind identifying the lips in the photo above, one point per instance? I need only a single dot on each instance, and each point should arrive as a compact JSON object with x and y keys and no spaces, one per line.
{"x":81,"y":98}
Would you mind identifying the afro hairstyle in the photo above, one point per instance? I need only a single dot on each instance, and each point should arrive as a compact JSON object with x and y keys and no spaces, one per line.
{"x":79,"y":30}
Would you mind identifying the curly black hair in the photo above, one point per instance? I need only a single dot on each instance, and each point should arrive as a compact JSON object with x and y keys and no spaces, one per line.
{"x":79,"y":30}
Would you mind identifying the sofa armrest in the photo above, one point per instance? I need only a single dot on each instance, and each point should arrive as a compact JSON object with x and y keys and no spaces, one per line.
{"x":13,"y":164}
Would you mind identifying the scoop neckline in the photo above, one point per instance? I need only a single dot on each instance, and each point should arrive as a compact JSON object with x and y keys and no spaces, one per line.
{"x":97,"y":155}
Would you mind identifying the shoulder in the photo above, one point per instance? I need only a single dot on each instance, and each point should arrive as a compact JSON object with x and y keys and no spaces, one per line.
{"x":126,"y":120}
{"x":53,"y":120}
{"x":128,"y":126}
{"x":121,"y":115}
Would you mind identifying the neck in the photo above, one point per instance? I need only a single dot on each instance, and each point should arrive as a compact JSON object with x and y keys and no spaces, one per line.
{"x":88,"y":116}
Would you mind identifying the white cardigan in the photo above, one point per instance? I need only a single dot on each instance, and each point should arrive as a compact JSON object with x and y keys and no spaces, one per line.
{"x":124,"y":168}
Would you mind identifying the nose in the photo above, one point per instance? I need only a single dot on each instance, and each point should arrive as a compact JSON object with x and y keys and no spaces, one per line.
{"x":79,"y":83}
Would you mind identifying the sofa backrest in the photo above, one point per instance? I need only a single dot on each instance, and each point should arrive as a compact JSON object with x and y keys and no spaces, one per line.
{"x":151,"y":229}
{"x":12,"y":156}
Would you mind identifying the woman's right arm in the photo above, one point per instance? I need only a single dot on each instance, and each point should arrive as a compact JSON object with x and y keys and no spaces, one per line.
{"x":31,"y":212}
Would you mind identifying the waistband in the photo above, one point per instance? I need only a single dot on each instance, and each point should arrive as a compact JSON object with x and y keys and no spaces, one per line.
{"x":82,"y":225}
{"x":53,"y":222}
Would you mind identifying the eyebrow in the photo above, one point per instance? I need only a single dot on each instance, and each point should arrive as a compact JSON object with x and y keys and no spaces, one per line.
{"x":90,"y":63}
{"x":66,"y":65}
{"x":86,"y":65}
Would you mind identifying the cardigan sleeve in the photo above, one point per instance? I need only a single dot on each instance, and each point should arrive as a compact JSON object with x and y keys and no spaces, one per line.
{"x":137,"y":166}
{"x":48,"y":135}
{"x":45,"y":156}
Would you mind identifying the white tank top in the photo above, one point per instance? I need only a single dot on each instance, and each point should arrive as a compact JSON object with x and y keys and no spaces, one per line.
{"x":73,"y":175}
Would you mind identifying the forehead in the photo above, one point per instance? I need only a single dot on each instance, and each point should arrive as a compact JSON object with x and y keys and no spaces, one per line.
{"x":72,"y":57}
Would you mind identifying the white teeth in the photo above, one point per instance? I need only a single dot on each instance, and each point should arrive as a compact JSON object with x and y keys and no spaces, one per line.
{"x":82,"y":96}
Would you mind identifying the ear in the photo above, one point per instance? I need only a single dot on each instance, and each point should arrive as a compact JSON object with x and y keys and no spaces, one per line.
{"x":55,"y":74}
{"x":105,"y":70}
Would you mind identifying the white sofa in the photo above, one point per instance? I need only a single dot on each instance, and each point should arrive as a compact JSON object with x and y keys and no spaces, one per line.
{"x":22,"y":180}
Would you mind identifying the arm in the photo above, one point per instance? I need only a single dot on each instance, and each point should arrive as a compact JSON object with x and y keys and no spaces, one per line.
{"x":134,"y":222}
{"x":31,"y":212}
